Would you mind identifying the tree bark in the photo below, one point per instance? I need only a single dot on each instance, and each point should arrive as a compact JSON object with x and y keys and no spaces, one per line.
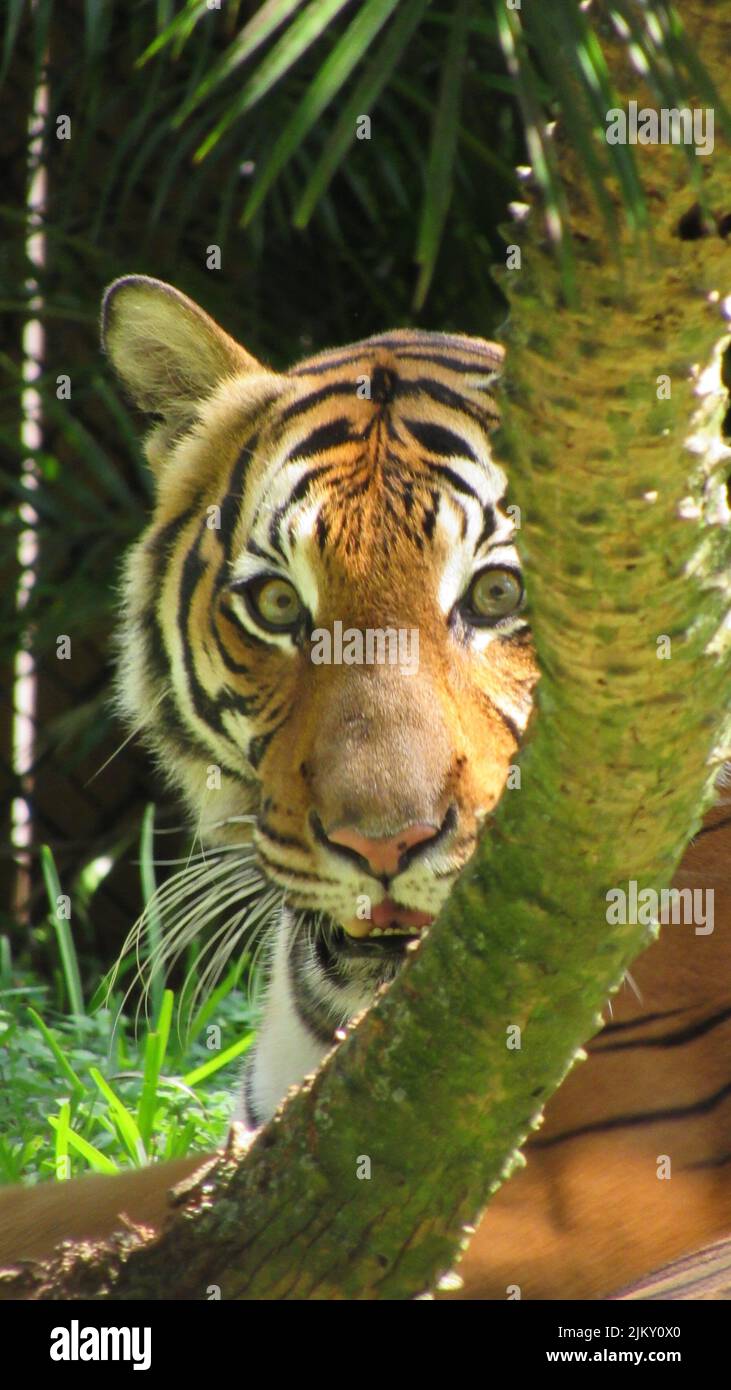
{"x":626,"y":540}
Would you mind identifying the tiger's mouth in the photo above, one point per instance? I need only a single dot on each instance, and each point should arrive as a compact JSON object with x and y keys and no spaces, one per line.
{"x":391,"y":926}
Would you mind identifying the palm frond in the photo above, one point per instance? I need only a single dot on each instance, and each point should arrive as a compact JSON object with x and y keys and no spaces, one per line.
{"x":334,"y":72}
{"x":442,"y":152}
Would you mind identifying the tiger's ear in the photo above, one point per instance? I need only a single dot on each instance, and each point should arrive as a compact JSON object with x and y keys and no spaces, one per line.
{"x":168,"y":352}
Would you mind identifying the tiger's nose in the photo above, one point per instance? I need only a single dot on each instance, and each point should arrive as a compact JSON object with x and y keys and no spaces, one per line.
{"x":383,"y":856}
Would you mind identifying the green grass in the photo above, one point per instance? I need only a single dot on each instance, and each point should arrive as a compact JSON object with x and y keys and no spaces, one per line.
{"x":97,"y":1089}
{"x":91,"y":1093}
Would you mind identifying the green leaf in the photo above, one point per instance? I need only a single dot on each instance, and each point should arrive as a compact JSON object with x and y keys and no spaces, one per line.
{"x":320,"y":92}
{"x":176,"y":33}
{"x":123,"y":1118}
{"x":576,"y":38}
{"x":221,"y":1059}
{"x":364,"y":97}
{"x":62,"y":1061}
{"x":293,"y":43}
{"x":96,"y":24}
{"x":13,"y":16}
{"x":155,"y":1049}
{"x":61,"y":1147}
{"x":440,"y":169}
{"x":540,"y":148}
{"x":264,"y":22}
{"x":229,"y":982}
{"x":94,"y":1157}
{"x":577,"y":119}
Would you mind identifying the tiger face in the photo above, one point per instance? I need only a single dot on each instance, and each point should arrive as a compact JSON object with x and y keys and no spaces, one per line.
{"x":323,"y":624}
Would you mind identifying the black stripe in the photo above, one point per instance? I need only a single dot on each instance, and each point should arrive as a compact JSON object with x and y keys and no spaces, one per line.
{"x":424,"y":347}
{"x":194,"y":569}
{"x":456,"y":481}
{"x":440,"y":440}
{"x":710,"y":829}
{"x":301,"y":875}
{"x":160,"y":543}
{"x":509,"y":723}
{"x":172,"y":729}
{"x":231,"y":505}
{"x":330,"y":436}
{"x":643,"y":1022}
{"x":305,"y":403}
{"x":253,"y":549}
{"x":288,"y":841}
{"x":463,"y":365}
{"x":253,"y":1119}
{"x":156,"y":657}
{"x":416,"y":343}
{"x":445,"y":395}
{"x":677,"y":1039}
{"x":258,"y":746}
{"x":299,"y":491}
{"x":170,"y":725}
{"x":155,"y":654}
{"x":320,"y":368}
{"x":233,"y":700}
{"x":243,"y":631}
{"x":635,"y":1121}
{"x":274,"y":537}
{"x":314,"y":1015}
{"x":429,"y":522}
{"x":237,"y":668}
{"x":488,"y":526}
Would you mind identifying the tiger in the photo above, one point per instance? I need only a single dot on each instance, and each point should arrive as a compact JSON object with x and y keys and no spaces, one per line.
{"x":305,"y":522}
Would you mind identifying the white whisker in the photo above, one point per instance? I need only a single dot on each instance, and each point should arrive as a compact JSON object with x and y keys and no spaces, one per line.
{"x":137,"y":730}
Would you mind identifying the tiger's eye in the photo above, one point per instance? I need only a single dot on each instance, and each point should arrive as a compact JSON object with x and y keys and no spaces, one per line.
{"x":276,"y":602}
{"x":495,"y":593}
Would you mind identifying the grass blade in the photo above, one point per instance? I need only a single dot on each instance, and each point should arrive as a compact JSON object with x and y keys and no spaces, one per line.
{"x":62,"y":928}
{"x":73,"y":1078}
{"x":62,"y":1164}
{"x":94,"y":1157}
{"x":153,"y":921}
{"x":221,"y":1059}
{"x":124,"y":1120}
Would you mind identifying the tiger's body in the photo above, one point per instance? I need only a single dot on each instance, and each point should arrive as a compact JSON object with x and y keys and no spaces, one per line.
{"x":358,"y":489}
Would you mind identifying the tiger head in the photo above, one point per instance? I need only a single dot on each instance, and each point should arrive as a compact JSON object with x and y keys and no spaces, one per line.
{"x":323,"y":629}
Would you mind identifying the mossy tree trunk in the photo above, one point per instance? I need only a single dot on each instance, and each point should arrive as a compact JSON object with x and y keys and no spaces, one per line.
{"x":626,"y":540}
